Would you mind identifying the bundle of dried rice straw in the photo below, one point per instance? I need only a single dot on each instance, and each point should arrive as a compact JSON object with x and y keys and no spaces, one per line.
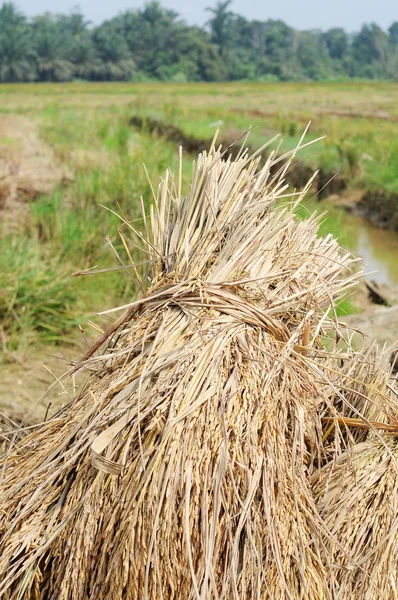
{"x":184,"y":468}
{"x":357,"y":493}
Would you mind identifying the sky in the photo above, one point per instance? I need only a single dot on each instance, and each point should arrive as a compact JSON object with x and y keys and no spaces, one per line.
{"x":301,"y":14}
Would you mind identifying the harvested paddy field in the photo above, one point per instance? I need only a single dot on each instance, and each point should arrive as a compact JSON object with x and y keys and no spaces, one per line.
{"x":67,"y":149}
{"x":28,"y":168}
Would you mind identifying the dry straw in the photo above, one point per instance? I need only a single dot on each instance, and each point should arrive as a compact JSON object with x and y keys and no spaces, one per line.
{"x":357,"y":493}
{"x":183,"y":470}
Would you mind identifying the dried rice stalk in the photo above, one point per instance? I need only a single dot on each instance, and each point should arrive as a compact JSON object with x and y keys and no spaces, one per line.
{"x":182,"y":470}
{"x":7,"y":428}
{"x":357,"y":496}
{"x":362,"y":403}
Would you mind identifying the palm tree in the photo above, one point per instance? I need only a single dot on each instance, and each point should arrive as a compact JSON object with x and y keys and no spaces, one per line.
{"x":16,"y":54}
{"x":84,"y":57}
{"x":52,"y":49}
{"x":116,"y":62}
{"x":81,"y":48}
{"x":220,"y":23}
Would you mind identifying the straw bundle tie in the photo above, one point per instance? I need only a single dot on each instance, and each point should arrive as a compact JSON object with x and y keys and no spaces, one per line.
{"x":199,"y":296}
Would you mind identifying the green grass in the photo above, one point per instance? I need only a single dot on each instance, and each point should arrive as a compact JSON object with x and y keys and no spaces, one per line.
{"x":36,"y":300}
{"x":87,"y":127}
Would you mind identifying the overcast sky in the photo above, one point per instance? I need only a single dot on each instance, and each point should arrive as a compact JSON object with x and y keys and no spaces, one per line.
{"x":301,"y":14}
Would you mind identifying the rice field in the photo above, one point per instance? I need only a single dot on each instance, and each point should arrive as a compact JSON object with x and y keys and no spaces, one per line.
{"x":50,"y":235}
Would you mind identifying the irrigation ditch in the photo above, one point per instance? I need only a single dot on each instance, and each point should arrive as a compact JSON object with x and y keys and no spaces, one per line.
{"x":366,"y":215}
{"x":379,"y":207}
{"x":325,"y":183}
{"x":372,"y":220}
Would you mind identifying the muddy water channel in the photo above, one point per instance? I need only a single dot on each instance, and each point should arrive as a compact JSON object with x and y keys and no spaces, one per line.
{"x":377,"y":247}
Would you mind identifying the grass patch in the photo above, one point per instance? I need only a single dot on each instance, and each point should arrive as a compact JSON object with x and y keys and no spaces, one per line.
{"x":68,"y":230}
{"x":37,"y":303}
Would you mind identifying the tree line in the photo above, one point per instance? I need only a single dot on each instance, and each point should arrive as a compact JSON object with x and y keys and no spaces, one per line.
{"x":154,"y":43}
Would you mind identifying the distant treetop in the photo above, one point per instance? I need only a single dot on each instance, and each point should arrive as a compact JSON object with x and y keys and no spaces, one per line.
{"x":155,"y":43}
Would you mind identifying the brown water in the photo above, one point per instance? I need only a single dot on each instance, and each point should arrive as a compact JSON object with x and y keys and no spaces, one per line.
{"x":377,"y":247}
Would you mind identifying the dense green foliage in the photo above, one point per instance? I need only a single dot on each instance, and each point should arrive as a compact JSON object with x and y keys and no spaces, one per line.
{"x":153,"y":43}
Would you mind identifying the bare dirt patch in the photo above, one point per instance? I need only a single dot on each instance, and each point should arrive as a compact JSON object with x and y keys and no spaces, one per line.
{"x":378,"y":323}
{"x":24,"y":380}
{"x":28,"y":168}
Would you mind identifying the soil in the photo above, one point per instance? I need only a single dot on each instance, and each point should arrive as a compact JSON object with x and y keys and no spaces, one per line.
{"x":28,"y":169}
{"x":380,"y":207}
{"x":24,"y":380}
{"x":378,"y":323}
